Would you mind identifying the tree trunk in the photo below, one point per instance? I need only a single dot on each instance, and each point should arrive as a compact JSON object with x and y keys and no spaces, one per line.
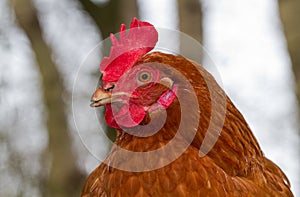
{"x":108,"y":18}
{"x":190,"y":23}
{"x":64,"y":178}
{"x":290,"y":15}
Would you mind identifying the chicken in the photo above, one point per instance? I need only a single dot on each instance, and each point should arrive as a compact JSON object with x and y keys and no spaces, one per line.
{"x":178,"y":132}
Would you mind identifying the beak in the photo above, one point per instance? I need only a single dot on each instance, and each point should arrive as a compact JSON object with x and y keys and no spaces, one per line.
{"x":100,"y":98}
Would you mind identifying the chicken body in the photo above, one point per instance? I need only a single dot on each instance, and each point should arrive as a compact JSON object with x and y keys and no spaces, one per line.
{"x":235,"y":166}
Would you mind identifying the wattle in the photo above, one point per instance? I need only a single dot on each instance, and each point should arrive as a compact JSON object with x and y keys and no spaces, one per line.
{"x":129,"y":115}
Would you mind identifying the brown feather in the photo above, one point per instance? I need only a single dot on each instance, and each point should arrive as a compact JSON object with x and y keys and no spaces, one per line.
{"x":235,"y":166}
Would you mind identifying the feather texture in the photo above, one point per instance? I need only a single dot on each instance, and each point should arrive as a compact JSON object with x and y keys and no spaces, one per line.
{"x":235,"y":166}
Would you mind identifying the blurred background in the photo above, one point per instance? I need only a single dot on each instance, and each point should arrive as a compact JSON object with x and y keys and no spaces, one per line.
{"x":254,"y":44}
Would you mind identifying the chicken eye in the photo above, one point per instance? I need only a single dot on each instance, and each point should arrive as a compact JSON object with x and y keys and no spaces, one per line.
{"x":144,"y":76}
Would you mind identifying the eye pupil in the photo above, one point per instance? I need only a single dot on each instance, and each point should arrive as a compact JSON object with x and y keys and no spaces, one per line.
{"x":145,"y":76}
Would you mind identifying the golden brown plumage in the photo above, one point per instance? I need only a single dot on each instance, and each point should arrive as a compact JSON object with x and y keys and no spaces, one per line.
{"x":235,"y":166}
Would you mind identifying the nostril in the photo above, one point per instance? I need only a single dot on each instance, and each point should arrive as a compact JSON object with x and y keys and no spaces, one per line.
{"x":109,"y":87}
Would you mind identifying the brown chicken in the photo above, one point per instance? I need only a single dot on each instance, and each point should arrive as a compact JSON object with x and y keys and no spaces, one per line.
{"x":178,"y":132}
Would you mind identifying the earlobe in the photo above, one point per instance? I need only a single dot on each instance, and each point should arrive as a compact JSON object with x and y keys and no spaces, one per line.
{"x":167,"y":98}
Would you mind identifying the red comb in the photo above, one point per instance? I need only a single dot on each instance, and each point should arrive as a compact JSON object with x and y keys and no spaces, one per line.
{"x":141,"y":39}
